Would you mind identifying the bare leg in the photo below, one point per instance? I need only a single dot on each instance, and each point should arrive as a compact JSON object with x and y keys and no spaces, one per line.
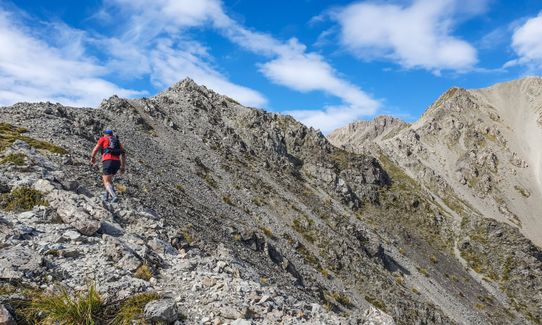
{"x":108,"y":184}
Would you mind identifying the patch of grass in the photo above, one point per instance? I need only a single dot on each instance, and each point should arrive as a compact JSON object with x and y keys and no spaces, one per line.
{"x":10,"y":133}
{"x":258,"y":201}
{"x":6,"y":289}
{"x":341,"y":298}
{"x":508,"y":266}
{"x":267,"y":231}
{"x":210,"y":180}
{"x":227,"y":200}
{"x":121,"y":188}
{"x":17,"y":159}
{"x":433,"y":259}
{"x":416,"y":291}
{"x":61,"y":307}
{"x":143,"y":272}
{"x":264,"y":280}
{"x":21,"y":199}
{"x":422,"y":271}
{"x":325,"y":272}
{"x":187,"y":236}
{"x":376,"y":302}
{"x":132,"y":308}
{"x":179,"y":187}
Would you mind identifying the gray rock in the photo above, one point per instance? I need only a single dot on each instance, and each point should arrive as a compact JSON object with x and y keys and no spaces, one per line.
{"x":5,"y":316}
{"x":164,"y":310}
{"x":71,"y":235}
{"x":43,"y":186}
{"x":111,"y":228}
{"x":18,"y":261}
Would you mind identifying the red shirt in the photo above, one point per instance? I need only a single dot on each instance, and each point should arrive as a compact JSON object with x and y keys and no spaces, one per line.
{"x":104,"y":143}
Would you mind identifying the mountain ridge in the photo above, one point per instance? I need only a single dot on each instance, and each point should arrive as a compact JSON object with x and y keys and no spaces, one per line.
{"x":331,"y":236}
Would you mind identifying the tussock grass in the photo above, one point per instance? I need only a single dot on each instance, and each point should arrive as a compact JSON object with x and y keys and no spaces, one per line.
{"x":60,"y":307}
{"x":120,"y":188}
{"x":132,"y":308}
{"x":10,"y":133}
{"x":143,"y":272}
{"x":21,"y":199}
{"x":17,"y":159}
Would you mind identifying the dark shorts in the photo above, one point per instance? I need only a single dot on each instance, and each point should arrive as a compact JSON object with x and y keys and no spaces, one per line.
{"x":110,"y":167}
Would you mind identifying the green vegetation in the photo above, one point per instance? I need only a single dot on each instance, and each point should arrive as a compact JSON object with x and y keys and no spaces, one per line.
{"x":120,"y":188}
{"x":132,"y":308}
{"x":187,"y":236}
{"x":433,"y":259}
{"x":17,"y":159}
{"x":143,"y":272}
{"x":227,"y":200}
{"x":376,"y":302}
{"x":422,"y":271}
{"x":267,"y":231}
{"x":258,"y":201}
{"x":10,"y":133}
{"x":21,"y":199}
{"x":341,"y":298}
{"x":325,"y":273}
{"x":179,"y":187}
{"x":210,"y":180}
{"x":508,"y":266}
{"x":60,"y":307}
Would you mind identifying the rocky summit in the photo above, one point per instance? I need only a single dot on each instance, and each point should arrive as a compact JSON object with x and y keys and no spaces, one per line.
{"x":233,"y":215}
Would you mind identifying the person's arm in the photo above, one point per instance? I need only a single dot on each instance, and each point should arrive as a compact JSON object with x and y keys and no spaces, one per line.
{"x":123,"y":161}
{"x":94,"y":152}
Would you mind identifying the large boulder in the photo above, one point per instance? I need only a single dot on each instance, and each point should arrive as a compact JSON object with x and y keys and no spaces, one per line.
{"x":164,"y":310}
{"x":78,"y":211}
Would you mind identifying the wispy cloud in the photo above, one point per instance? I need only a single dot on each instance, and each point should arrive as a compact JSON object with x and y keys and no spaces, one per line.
{"x":526,"y":42}
{"x":288,"y":62}
{"x":32,"y":69}
{"x":415,"y":36}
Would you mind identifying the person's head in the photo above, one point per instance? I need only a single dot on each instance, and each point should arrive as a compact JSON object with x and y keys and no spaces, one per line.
{"x":108,"y":132}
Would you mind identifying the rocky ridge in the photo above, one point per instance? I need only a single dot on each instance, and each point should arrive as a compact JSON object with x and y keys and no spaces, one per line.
{"x":472,"y":150}
{"x":246,"y":216}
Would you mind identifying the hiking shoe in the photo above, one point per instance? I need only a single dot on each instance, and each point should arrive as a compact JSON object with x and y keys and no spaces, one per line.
{"x":115,"y":199}
{"x":105,"y":196}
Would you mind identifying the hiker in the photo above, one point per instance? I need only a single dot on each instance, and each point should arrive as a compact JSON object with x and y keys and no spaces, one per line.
{"x":113,"y":160}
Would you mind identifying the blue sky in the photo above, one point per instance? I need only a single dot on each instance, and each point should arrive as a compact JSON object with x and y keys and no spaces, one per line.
{"x":327,"y":63}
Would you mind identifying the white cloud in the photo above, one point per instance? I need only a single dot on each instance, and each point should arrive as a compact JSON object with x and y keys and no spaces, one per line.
{"x":415,"y":36}
{"x":289,"y":64}
{"x":154,"y":43}
{"x":34,"y":70}
{"x":169,"y":64}
{"x":527,"y":43}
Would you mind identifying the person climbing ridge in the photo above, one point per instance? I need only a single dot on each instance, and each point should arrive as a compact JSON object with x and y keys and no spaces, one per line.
{"x":113,"y":160}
